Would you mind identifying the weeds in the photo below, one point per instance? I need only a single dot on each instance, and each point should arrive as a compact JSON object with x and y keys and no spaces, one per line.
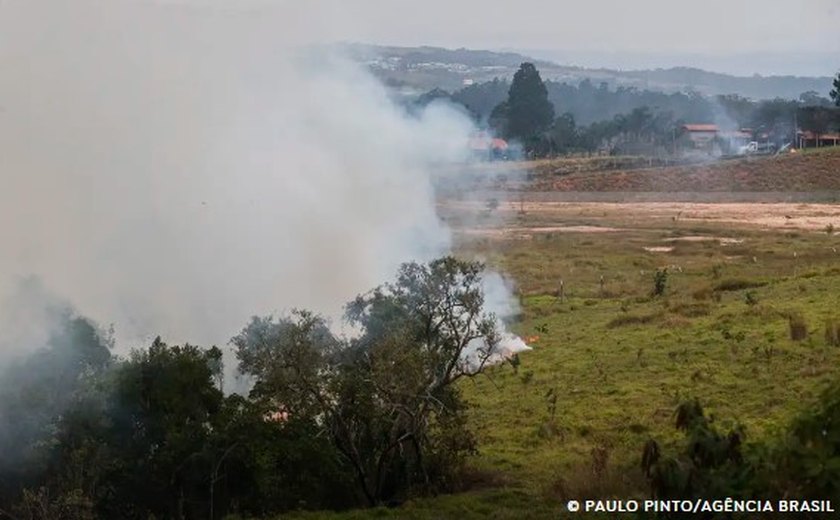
{"x":550,"y":428}
{"x":797,"y":326}
{"x":738,"y":284}
{"x":632,"y":319}
{"x":703,"y":293}
{"x":691,"y":310}
{"x":832,"y":333}
{"x":660,"y":281}
{"x":527,"y":377}
{"x":600,"y":455}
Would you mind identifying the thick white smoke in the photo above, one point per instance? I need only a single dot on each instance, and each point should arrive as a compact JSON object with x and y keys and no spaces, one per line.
{"x":172,"y":170}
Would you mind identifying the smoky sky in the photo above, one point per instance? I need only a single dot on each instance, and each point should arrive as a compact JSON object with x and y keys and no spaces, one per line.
{"x":636,"y":25}
{"x":734,"y":36}
{"x":173,"y":168}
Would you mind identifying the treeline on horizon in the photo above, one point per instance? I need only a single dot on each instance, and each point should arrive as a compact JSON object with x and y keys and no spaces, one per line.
{"x":588,"y":117}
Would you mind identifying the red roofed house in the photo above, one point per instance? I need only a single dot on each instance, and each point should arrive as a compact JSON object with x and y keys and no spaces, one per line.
{"x":701,"y":137}
{"x":488,"y":147}
{"x":808,"y":139}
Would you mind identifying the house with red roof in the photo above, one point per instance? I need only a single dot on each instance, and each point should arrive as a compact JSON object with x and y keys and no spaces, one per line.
{"x":808,"y":139}
{"x":700,"y":136}
{"x":484,"y":146}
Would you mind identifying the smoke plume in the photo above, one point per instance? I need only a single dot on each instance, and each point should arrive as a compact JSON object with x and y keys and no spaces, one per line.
{"x":172,"y":168}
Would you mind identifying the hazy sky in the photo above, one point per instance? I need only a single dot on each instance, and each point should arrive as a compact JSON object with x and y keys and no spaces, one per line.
{"x":736,"y":36}
{"x":632,"y":25}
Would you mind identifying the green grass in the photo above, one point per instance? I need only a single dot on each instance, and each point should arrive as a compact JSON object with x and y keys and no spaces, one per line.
{"x":619,"y":360}
{"x":498,"y":503}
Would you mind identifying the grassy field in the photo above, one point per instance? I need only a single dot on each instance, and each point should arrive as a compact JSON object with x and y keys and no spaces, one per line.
{"x":619,"y":360}
{"x":611,"y":362}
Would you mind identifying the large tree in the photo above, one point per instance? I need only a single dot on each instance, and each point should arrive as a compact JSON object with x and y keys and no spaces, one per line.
{"x":564,"y":133}
{"x":40,"y":391}
{"x":386,"y":398}
{"x":527,"y":111}
{"x":835,"y":92}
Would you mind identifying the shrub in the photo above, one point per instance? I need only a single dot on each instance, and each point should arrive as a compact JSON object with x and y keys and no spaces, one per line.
{"x":660,"y":282}
{"x":691,"y":310}
{"x":832,"y":333}
{"x":709,"y":464}
{"x":527,"y":377}
{"x":738,"y":284}
{"x":803,"y":462}
{"x":703,"y":293}
{"x":798,"y":327}
{"x":806,"y":463}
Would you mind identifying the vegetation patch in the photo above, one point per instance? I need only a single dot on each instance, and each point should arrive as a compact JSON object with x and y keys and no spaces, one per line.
{"x":738,"y":284}
{"x":633,"y":319}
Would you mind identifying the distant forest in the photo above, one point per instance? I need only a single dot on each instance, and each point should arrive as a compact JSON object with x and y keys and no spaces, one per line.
{"x":589,"y":103}
{"x":588,"y":117}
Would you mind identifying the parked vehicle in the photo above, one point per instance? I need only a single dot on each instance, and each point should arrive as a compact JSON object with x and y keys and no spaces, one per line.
{"x":756,"y":148}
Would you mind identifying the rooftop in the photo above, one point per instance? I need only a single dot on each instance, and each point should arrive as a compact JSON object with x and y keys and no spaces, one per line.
{"x":700,"y":128}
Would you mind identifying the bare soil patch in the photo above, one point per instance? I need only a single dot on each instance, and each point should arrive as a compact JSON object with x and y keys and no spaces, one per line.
{"x":798,"y":172}
{"x":606,"y":217}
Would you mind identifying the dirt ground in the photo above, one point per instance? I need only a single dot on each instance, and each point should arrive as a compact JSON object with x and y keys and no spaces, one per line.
{"x":817,"y":171}
{"x":526,"y":218}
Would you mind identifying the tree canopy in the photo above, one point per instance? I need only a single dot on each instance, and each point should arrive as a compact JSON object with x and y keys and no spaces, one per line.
{"x":527,"y":112}
{"x":330,"y":422}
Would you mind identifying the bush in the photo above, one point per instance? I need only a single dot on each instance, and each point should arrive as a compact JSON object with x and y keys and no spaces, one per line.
{"x":806,"y":463}
{"x":691,"y":310}
{"x":660,"y":282}
{"x":738,"y":284}
{"x":798,"y":327}
{"x":709,"y":464}
{"x":703,"y":293}
{"x":832,"y":333}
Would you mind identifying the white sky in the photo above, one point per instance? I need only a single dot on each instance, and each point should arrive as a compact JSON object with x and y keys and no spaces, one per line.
{"x":735,"y":36}
{"x":628,"y":25}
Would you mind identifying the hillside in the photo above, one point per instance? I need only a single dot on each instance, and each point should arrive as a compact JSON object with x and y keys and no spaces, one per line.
{"x":799,"y":172}
{"x":420,"y":69}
